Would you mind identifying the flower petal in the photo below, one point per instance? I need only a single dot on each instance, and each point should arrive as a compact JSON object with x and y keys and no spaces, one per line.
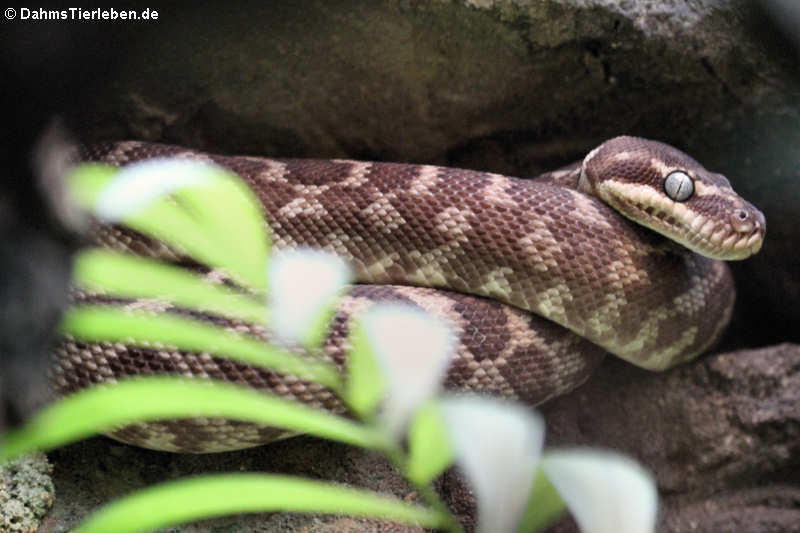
{"x":303,"y":286}
{"x":606,"y":492}
{"x":413,"y":349}
{"x":137,"y":185}
{"x":498,"y":445}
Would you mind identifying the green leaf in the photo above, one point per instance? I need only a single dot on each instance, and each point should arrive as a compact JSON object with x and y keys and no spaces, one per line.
{"x":86,"y":181}
{"x":130,"y":276}
{"x":544,"y":506}
{"x":234,"y":220}
{"x":111,"y":324}
{"x":216,"y":495}
{"x":430,"y":450}
{"x":365,"y":382}
{"x":197,"y":208}
{"x":105,"y":407}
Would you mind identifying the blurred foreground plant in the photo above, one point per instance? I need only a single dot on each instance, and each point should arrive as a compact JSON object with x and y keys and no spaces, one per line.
{"x":398,"y":359}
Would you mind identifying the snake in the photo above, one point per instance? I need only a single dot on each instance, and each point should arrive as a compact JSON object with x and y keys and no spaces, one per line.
{"x":622,"y":252}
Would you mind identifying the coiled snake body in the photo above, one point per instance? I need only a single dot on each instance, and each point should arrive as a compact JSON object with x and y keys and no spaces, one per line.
{"x":539,"y":277}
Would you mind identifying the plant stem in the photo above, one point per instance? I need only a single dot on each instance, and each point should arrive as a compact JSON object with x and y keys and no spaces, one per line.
{"x":396,"y":455}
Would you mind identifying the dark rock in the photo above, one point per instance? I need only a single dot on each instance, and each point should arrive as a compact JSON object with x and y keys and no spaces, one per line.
{"x":722,"y":435}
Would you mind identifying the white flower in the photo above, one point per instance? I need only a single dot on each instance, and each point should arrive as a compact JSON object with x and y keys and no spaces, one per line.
{"x":413,"y":349}
{"x":605,"y":491}
{"x":498,"y":445}
{"x":137,"y":185}
{"x":303,"y":286}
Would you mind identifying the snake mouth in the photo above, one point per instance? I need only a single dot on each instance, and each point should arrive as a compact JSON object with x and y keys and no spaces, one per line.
{"x":708,"y":237}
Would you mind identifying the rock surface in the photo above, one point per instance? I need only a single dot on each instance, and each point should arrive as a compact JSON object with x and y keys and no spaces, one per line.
{"x":722,"y":435}
{"x":514,"y":86}
{"x":26,"y":493}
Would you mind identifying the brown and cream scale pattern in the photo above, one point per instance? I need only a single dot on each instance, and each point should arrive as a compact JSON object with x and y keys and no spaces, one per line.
{"x":537,"y":246}
{"x":538,"y":278}
{"x":502,"y":351}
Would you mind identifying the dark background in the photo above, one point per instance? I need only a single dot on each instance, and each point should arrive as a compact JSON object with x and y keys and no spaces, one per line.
{"x":512,"y":88}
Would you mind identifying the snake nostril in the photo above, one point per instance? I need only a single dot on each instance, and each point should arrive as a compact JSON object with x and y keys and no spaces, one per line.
{"x":740,"y":220}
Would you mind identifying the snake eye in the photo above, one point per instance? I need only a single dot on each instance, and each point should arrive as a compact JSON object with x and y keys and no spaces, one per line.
{"x":679,"y":186}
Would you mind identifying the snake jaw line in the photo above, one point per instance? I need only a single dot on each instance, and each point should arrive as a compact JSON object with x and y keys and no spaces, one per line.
{"x":712,"y":239}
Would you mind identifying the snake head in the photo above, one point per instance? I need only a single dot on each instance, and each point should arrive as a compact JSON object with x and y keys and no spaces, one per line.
{"x":664,"y":189}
